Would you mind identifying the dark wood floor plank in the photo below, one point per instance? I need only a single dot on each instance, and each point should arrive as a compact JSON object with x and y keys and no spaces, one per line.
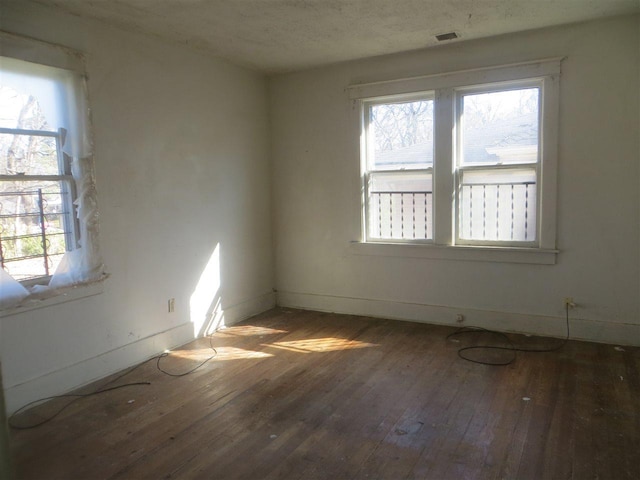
{"x":358,"y":435}
{"x":399,"y":454}
{"x":338,"y":427}
{"x":307,"y":395}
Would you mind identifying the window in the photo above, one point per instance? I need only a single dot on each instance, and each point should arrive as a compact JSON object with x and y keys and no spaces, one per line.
{"x":48,"y":215}
{"x":399,"y":172}
{"x":37,"y":225}
{"x":465,"y":159}
{"x":497,"y":164}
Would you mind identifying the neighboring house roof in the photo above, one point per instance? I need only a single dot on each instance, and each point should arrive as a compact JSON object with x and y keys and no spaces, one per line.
{"x":514,"y":139}
{"x":413,"y":155}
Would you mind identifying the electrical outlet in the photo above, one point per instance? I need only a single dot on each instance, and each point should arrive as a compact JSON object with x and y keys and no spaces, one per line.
{"x":568,"y":302}
{"x":459,"y":318}
{"x":171,"y":305}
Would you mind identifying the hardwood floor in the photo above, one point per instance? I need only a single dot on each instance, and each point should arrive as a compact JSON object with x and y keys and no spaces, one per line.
{"x":306,"y":395}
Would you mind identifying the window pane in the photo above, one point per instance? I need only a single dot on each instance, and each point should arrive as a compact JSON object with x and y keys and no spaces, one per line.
{"x":29,"y":210}
{"x":498,"y":205}
{"x":28,"y":154}
{"x":500,"y":127}
{"x":21,"y":110}
{"x":400,"y":205}
{"x":401,"y":135}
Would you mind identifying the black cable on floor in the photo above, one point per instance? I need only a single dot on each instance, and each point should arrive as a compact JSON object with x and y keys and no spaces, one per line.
{"x":510,"y":348}
{"x":104,"y":389}
{"x":75,"y":396}
{"x":166,"y":354}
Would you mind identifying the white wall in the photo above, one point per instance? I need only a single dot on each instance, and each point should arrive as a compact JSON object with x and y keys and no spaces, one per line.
{"x":181,"y":154}
{"x":317,"y":210}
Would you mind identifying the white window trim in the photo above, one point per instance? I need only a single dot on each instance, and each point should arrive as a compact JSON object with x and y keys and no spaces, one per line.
{"x":455,"y":252}
{"x":43,"y":53}
{"x":447,"y":86}
{"x":62,"y":295}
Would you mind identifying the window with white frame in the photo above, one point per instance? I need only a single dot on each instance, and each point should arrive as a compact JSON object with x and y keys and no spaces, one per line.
{"x":399,"y":173}
{"x":497,"y":162}
{"x":462,"y":159}
{"x":37,"y":221}
{"x":48,"y":214}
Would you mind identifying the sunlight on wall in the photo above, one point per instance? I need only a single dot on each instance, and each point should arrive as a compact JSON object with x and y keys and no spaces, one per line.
{"x":205,"y":303}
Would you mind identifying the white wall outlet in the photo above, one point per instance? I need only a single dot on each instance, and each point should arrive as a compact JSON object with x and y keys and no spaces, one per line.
{"x":171,"y":304}
{"x":568,"y":302}
{"x":459,"y":318}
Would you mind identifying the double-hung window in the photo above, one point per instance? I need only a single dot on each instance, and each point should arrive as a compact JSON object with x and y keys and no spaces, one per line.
{"x":48,"y":214}
{"x":399,"y":168}
{"x":37,"y":221}
{"x":464,"y":159}
{"x":497,"y":163}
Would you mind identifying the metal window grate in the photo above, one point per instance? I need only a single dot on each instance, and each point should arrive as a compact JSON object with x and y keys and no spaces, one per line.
{"x":513,"y":212}
{"x":400,"y":215}
{"x":37,"y":224}
{"x":32,"y":238}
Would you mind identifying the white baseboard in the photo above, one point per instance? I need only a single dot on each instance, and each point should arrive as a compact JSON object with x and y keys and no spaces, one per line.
{"x":249,"y":308}
{"x":550,"y":326}
{"x":84,"y":372}
{"x":74,"y":376}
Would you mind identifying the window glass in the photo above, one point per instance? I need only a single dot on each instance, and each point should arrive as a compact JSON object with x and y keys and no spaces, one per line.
{"x":36,"y":210}
{"x":402,"y":135}
{"x":500,"y":127}
{"x":400,"y":205}
{"x":498,"y":205}
{"x":28,"y":154}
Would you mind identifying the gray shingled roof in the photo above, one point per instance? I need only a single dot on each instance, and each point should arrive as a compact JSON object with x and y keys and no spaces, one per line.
{"x":481,"y":145}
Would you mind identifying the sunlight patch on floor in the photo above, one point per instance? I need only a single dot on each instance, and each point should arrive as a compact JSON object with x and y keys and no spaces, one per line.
{"x":223,"y":353}
{"x":329,"y":344}
{"x":247,"y":331}
{"x":233,"y":353}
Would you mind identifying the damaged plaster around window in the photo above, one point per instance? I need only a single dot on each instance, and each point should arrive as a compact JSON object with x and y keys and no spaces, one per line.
{"x":56,"y":75}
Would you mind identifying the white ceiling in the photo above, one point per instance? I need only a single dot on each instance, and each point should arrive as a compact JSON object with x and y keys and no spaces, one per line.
{"x":284,"y":35}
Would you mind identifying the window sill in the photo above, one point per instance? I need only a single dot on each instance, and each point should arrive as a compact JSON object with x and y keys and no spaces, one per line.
{"x":457,"y":252}
{"x":47,"y":299}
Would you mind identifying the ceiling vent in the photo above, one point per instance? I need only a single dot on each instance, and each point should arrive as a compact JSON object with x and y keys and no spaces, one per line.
{"x":446,"y":36}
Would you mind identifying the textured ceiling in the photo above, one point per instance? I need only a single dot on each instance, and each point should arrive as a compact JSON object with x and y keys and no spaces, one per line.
{"x":284,"y":35}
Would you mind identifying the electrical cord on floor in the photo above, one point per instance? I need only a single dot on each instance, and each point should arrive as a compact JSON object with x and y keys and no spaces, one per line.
{"x":510,"y":348}
{"x":166,"y":354}
{"x":104,"y":389}
{"x":75,"y":396}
